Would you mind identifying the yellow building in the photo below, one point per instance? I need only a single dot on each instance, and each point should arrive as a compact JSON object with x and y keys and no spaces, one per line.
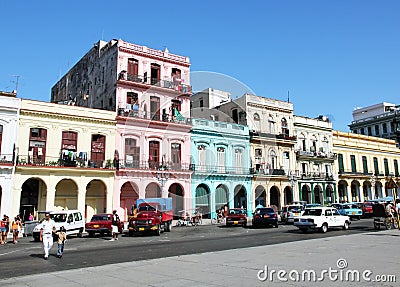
{"x":365,"y":166}
{"x":64,"y":159}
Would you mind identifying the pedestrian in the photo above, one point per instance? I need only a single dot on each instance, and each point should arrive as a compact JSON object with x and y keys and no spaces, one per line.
{"x":30,"y":218}
{"x":115,"y":224}
{"x":46,"y":234}
{"x":61,"y":239}
{"x":5,"y":229}
{"x":16,"y":227}
{"x":2,"y":229}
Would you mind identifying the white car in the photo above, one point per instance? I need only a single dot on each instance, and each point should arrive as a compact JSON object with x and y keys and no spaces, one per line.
{"x":72,"y":221}
{"x":290,"y":212}
{"x":321,"y":218}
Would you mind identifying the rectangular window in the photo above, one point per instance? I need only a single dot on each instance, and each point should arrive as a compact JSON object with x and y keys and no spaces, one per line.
{"x":155,"y":108}
{"x":365,"y":164}
{"x":353,"y":164}
{"x":132,"y":153}
{"x":98,"y":151}
{"x":221,"y":161}
{"x":1,"y":136}
{"x":176,"y":155}
{"x":362,"y":131}
{"x":202,"y":156}
{"x":376,"y":130}
{"x":133,"y":69}
{"x":386,"y":165}
{"x":340,"y":161}
{"x":238,"y":160}
{"x":37,"y":146}
{"x":384,"y":128}
{"x":369,"y":131}
{"x":154,"y":154}
{"x":396,"y":168}
{"x":376,"y":166}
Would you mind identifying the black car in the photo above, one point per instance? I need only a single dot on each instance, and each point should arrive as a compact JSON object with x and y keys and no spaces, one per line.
{"x":265,"y":216}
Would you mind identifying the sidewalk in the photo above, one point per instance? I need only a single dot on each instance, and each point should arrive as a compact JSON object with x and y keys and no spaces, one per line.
{"x":240,"y":267}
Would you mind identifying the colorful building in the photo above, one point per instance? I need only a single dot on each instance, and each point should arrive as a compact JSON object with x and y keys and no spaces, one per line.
{"x":221,"y":166}
{"x":365,"y":166}
{"x":64,"y":159}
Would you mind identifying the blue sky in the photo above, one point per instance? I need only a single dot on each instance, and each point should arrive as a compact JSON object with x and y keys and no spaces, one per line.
{"x":332,"y":56}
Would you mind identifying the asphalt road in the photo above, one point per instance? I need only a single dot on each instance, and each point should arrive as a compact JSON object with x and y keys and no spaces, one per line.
{"x":26,"y":257}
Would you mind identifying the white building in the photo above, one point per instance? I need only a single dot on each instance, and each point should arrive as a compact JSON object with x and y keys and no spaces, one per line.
{"x":315,"y":160}
{"x":9,"y":113}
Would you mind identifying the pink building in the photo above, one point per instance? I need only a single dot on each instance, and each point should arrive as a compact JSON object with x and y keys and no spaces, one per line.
{"x":150,"y":90}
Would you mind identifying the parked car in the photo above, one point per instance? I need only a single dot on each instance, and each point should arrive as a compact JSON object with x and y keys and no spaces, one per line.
{"x":264,"y":216}
{"x":348,"y":209}
{"x":321,"y":218}
{"x":290,"y":212}
{"x":367,"y":209}
{"x":101,"y":223}
{"x":236,"y":216}
{"x":311,"y":205}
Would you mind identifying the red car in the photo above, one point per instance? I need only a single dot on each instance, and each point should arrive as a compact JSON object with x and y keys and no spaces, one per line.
{"x":367,"y":209}
{"x":101,"y":223}
{"x":236,"y":216}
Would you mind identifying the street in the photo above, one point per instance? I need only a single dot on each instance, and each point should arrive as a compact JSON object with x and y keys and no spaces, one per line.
{"x":96,"y":251}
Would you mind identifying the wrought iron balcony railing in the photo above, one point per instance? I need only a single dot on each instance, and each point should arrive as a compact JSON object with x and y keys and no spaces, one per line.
{"x":172,"y":83}
{"x":214,"y":169}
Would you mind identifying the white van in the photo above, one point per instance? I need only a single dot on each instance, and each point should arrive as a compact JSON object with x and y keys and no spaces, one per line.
{"x":72,"y":220}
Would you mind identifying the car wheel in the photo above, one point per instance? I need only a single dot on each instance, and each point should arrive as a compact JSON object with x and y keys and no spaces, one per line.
{"x":346,"y":225}
{"x":303,"y":230}
{"x":91,"y":233}
{"x":130,"y":233}
{"x":169,"y":226}
{"x":276,"y":225}
{"x":178,"y":223}
{"x":324,"y":228}
{"x":377,"y":226}
{"x":244,"y":224}
{"x":80,"y":233}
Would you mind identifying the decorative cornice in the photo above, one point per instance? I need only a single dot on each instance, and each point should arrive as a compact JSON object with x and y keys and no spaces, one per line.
{"x":78,"y":118}
{"x":146,"y":55}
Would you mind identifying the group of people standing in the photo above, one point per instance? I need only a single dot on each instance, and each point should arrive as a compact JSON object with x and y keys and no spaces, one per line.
{"x":47,"y":231}
{"x":6,"y":225}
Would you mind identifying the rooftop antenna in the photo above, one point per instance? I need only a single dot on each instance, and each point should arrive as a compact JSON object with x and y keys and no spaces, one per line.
{"x":288,"y":97}
{"x":16,"y":82}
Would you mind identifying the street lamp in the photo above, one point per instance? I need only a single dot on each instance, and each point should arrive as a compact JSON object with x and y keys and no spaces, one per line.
{"x":162,"y":176}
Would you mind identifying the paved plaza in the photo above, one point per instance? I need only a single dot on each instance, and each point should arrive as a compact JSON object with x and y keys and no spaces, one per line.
{"x":335,"y":261}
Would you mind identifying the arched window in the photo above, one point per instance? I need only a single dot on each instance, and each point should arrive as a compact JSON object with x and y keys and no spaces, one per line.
{"x":271,"y":125}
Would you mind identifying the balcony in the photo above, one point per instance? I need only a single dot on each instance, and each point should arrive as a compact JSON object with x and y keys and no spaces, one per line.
{"x":136,"y":113}
{"x":268,"y":171}
{"x":37,"y":161}
{"x":316,"y":176}
{"x":212,"y":169}
{"x":6,"y":159}
{"x":174,"y":84}
{"x":152,"y":165}
{"x":318,"y":154}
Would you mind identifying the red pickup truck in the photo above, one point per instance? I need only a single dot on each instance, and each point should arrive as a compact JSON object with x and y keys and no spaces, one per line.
{"x":154,"y":215}
{"x":101,"y":223}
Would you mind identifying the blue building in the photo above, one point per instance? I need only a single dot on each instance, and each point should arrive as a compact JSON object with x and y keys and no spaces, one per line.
{"x":221,"y":166}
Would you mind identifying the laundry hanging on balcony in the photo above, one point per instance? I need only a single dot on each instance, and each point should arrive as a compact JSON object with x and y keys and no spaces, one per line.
{"x":178,"y":115}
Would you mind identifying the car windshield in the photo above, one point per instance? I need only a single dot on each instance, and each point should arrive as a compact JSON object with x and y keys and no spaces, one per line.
{"x":315,"y":212}
{"x":100,"y":218}
{"x":264,"y":210}
{"x":298,"y":207}
{"x":147,"y":208}
{"x":58,"y":217}
{"x":237,"y":211}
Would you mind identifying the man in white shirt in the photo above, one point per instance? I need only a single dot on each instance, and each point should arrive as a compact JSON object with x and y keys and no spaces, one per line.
{"x":46,"y":234}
